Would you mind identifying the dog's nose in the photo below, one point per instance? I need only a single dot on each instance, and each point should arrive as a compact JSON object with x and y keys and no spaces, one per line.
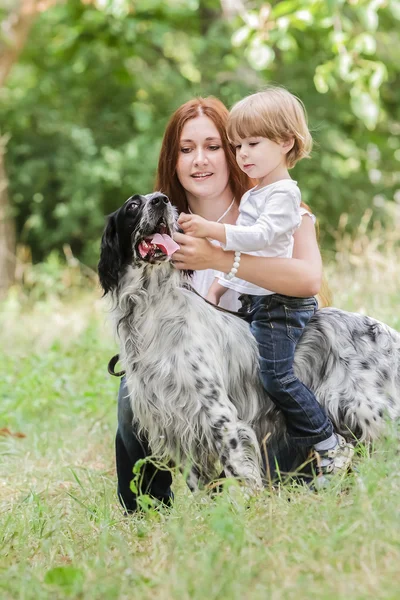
{"x":159,"y":199}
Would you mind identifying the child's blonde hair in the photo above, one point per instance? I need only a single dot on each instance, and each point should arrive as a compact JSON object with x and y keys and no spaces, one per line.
{"x":276,"y":114}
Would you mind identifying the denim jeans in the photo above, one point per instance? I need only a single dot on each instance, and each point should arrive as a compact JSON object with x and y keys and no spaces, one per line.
{"x":277,"y":322}
{"x":282,"y":457}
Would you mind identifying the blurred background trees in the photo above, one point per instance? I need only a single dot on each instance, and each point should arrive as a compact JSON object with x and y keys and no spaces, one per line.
{"x":91,"y":84}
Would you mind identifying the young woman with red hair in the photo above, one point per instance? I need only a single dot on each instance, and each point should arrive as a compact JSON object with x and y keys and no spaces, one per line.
{"x":198,"y":171}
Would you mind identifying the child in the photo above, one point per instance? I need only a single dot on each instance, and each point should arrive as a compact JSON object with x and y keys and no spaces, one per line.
{"x":270,"y":134}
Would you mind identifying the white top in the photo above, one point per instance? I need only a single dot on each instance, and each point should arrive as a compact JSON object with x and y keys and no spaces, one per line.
{"x":268,"y":217}
{"x":202,"y":280}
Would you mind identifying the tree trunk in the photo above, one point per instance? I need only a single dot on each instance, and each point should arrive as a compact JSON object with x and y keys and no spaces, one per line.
{"x":16,"y":27}
{"x":7,"y":230}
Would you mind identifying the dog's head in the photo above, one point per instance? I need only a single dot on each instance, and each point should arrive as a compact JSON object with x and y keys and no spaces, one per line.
{"x":138,"y":232}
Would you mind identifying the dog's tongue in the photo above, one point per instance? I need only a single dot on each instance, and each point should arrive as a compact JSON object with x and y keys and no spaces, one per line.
{"x":164,"y":242}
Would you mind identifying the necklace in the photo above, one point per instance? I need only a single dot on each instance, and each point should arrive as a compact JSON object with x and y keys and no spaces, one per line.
{"x":225,"y":213}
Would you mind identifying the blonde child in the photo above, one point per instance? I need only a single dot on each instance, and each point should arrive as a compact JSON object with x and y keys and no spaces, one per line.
{"x":270,"y":134}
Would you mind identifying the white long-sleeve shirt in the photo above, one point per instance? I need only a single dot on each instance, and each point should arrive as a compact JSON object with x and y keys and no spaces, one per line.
{"x":268,"y":217}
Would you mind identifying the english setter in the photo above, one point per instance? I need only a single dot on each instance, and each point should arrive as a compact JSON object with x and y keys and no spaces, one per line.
{"x":192,"y":370}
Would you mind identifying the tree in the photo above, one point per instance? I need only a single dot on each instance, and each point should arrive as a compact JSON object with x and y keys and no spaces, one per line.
{"x":88,"y":100}
{"x":16,"y":20}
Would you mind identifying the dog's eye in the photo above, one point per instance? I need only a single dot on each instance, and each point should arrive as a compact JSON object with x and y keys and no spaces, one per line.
{"x":133,"y":205}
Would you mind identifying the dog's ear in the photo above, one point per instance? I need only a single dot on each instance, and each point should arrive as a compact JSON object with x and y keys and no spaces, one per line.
{"x":188,"y":273}
{"x":110,"y":256}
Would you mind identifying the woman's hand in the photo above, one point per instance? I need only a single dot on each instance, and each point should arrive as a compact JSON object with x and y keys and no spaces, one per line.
{"x":195,"y":253}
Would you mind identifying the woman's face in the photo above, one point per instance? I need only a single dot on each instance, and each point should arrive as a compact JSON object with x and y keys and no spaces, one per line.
{"x":202,"y":167}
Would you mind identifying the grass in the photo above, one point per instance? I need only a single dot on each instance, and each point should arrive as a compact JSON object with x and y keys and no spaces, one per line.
{"x":64,"y":535}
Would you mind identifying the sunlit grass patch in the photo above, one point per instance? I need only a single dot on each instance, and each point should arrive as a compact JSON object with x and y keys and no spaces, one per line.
{"x":364,"y":273}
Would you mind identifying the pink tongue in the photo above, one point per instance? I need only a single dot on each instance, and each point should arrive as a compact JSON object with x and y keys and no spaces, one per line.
{"x":164,"y":242}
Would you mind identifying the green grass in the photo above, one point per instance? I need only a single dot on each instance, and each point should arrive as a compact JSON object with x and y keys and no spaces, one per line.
{"x":64,"y":535}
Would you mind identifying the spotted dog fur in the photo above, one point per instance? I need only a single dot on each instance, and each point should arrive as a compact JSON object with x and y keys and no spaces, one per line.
{"x":192,"y":371}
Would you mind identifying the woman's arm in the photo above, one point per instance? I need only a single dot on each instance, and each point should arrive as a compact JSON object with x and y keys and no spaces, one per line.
{"x":298,"y":276}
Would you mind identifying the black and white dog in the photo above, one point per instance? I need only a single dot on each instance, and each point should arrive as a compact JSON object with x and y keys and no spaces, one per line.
{"x":192,"y":370}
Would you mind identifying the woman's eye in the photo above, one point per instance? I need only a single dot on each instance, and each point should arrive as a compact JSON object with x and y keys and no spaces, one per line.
{"x":186,"y":150}
{"x":238,"y":146}
{"x":253,"y":143}
{"x":214,"y":148}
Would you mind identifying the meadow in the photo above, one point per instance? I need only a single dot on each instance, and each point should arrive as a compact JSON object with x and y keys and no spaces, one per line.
{"x":63,"y":533}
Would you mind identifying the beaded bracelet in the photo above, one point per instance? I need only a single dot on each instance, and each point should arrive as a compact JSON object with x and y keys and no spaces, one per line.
{"x":235,"y":266}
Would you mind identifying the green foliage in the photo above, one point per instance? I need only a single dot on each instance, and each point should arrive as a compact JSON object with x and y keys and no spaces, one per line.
{"x":87,"y":103}
{"x":52,"y":278}
{"x":341,"y":59}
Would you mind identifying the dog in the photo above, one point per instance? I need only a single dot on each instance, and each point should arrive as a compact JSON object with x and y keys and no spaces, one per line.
{"x":192,"y":370}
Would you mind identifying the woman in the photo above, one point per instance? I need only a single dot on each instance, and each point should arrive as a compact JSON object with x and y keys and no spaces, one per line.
{"x":197,"y":170}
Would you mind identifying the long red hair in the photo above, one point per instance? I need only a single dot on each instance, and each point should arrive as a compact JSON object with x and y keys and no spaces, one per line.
{"x":166,"y":179}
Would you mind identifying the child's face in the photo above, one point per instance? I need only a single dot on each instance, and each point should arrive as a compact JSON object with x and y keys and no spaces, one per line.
{"x":262,"y":158}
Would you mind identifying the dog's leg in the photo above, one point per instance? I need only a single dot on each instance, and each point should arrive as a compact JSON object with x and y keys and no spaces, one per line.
{"x":199,"y":478}
{"x":196,"y":480}
{"x":193,"y":480}
{"x":237,"y":445}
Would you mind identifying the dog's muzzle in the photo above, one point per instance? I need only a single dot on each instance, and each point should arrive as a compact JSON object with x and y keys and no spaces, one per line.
{"x":157,"y":244}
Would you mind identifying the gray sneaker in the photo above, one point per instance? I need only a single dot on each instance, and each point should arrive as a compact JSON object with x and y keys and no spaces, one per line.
{"x":335,"y":461}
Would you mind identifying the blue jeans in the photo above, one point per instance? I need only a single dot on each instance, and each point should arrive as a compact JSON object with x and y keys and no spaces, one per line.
{"x":283,"y":457}
{"x":277,"y":322}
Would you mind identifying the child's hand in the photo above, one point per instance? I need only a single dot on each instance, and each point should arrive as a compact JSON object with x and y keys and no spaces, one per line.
{"x":194,"y":225}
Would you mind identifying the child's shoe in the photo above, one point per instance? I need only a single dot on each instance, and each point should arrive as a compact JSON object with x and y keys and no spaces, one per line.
{"x":335,"y":461}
